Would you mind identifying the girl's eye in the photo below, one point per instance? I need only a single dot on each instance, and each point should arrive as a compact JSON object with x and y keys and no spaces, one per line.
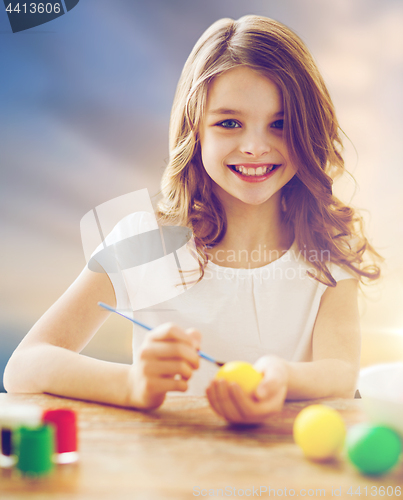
{"x":278,"y":124}
{"x":228,"y":124}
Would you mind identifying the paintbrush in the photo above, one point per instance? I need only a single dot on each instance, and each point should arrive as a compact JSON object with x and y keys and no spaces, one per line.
{"x":146,"y":327}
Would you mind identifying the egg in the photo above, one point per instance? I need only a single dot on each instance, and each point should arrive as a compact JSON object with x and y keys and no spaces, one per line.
{"x":373,"y":449}
{"x":320,"y":432}
{"x":242,"y":373}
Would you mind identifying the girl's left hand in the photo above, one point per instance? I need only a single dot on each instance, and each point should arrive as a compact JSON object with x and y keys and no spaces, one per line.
{"x":233,"y":404}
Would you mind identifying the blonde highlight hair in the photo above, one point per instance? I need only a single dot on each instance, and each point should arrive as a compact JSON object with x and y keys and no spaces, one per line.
{"x":317,"y":218}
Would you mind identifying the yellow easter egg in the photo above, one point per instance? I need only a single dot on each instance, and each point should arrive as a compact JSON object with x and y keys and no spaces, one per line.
{"x":242,"y":373}
{"x":320,"y":432}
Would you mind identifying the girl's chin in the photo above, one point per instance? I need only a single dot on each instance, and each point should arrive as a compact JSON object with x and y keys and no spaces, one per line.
{"x":252,"y":200}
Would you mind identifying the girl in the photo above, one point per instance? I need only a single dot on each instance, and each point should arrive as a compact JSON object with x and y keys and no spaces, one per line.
{"x":254,"y":149}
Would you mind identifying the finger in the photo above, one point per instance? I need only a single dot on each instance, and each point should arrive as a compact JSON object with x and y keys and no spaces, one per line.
{"x":159,"y":350}
{"x":273,"y":382}
{"x":170,"y":332}
{"x":263,"y":363}
{"x":244,"y":405}
{"x":211,"y":393}
{"x":275,"y":377}
{"x":250,"y":411}
{"x":247,"y":408}
{"x":267,"y":389}
{"x":168,"y":369}
{"x":255,"y":411}
{"x":241,"y":401}
{"x":229,"y":411}
{"x":160,"y":385}
{"x":195,"y":335}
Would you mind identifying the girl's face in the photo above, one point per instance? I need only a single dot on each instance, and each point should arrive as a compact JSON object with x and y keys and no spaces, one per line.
{"x":241,"y":137}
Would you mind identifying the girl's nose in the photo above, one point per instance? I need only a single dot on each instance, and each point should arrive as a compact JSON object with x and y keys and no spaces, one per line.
{"x":256,"y":144}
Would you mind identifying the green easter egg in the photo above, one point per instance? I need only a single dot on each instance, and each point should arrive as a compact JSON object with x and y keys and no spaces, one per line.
{"x":373,"y":449}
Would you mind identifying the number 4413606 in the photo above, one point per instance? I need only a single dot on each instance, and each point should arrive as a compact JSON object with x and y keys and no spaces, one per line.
{"x":373,"y":491}
{"x":34,"y":8}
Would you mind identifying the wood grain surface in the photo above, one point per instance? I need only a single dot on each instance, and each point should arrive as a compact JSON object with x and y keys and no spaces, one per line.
{"x":184,"y":450}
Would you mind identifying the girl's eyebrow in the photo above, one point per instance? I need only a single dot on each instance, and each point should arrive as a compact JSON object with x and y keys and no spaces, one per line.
{"x":226,"y":111}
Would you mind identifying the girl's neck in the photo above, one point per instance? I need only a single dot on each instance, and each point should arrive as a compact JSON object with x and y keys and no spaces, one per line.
{"x":256,"y":235}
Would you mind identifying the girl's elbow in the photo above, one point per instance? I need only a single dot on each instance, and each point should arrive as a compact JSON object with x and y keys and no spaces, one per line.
{"x":16,"y":377}
{"x":9,"y":378}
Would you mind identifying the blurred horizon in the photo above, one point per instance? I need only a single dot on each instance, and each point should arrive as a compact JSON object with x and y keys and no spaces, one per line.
{"x":85,"y":103}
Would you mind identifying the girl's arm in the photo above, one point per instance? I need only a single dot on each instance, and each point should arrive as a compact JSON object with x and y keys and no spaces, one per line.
{"x":48,"y":359}
{"x":336,"y":347}
{"x":332,"y":373}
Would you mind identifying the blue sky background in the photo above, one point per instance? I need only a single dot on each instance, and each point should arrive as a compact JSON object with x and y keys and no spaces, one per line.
{"x":84,"y":111}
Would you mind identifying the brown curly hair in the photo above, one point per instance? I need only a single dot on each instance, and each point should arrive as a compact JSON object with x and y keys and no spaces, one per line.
{"x":320,"y":222}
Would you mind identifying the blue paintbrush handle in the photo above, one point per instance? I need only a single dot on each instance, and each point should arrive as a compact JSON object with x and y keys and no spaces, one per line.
{"x":111,"y":309}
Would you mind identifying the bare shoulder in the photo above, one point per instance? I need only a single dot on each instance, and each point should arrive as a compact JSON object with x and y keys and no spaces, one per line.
{"x":343,"y":294}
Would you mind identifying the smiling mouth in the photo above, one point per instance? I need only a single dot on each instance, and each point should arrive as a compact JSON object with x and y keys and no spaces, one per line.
{"x":254,"y":172}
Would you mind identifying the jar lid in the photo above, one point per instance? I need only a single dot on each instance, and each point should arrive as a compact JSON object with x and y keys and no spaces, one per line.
{"x":13,"y":416}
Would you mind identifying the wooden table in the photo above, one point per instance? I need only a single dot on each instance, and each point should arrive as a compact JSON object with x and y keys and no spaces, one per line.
{"x":183,"y":451}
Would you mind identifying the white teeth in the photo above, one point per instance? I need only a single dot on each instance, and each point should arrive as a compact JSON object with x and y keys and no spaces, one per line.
{"x":253,"y":171}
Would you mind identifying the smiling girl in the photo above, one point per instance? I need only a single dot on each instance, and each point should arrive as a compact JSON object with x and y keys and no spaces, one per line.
{"x":254,"y":149}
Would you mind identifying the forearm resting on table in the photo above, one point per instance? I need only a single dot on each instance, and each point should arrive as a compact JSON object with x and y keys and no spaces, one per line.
{"x":48,"y":368}
{"x":322,"y":378}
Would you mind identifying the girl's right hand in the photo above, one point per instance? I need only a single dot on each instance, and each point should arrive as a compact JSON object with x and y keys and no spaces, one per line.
{"x":165,"y":362}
